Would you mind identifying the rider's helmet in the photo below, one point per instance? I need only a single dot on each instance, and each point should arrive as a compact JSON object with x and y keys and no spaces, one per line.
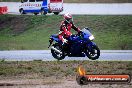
{"x":68,"y":18}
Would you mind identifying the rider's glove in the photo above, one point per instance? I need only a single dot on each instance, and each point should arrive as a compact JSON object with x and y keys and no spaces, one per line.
{"x":80,"y":32}
{"x":65,"y":41}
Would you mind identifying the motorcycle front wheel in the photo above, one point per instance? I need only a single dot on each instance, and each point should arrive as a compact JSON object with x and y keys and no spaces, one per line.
{"x":94,"y":53}
{"x":57,"y":55}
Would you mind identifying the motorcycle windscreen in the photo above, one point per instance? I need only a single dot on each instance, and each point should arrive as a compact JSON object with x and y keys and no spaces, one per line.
{"x":87,"y":32}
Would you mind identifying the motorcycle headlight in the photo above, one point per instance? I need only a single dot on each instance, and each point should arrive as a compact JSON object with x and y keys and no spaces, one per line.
{"x":91,"y":37}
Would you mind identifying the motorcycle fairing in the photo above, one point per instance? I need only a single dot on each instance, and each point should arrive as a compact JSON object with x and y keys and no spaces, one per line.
{"x":76,"y":50}
{"x":55,"y":37}
{"x":90,"y":45}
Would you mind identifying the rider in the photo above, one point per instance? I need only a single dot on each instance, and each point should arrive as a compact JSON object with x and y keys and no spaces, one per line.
{"x":65,"y":28}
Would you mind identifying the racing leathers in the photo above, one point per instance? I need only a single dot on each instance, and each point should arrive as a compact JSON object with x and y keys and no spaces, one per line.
{"x":65,"y":29}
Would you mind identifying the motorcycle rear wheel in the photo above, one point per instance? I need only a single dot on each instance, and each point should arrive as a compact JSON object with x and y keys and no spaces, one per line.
{"x":56,"y":55}
{"x":93,"y":55}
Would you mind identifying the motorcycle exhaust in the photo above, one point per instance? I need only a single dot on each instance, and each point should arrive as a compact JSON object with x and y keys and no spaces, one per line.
{"x":56,"y":50}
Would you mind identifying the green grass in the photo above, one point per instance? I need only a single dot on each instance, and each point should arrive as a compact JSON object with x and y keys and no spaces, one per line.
{"x":42,"y":69}
{"x":33,"y":32}
{"x":84,"y":1}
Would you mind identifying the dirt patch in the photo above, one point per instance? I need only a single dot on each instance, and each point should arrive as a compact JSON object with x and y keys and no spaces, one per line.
{"x":55,"y":83}
{"x":15,"y":24}
{"x":21,"y":25}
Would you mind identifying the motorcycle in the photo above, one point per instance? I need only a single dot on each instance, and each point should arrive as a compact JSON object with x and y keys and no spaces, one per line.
{"x":79,"y":45}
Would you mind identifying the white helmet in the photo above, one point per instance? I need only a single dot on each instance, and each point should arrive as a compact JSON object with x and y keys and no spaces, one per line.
{"x":68,"y":17}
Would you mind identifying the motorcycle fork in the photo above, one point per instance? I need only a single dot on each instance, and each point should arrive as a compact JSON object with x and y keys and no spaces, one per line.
{"x":50,"y":41}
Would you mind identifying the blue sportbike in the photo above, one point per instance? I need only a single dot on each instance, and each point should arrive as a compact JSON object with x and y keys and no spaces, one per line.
{"x":79,"y":45}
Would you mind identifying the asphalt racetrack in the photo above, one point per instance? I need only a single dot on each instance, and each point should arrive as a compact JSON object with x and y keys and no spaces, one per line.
{"x":45,"y":55}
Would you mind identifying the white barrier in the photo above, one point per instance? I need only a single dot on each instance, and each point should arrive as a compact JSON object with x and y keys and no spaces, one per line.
{"x":99,"y":9}
{"x":84,"y":8}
